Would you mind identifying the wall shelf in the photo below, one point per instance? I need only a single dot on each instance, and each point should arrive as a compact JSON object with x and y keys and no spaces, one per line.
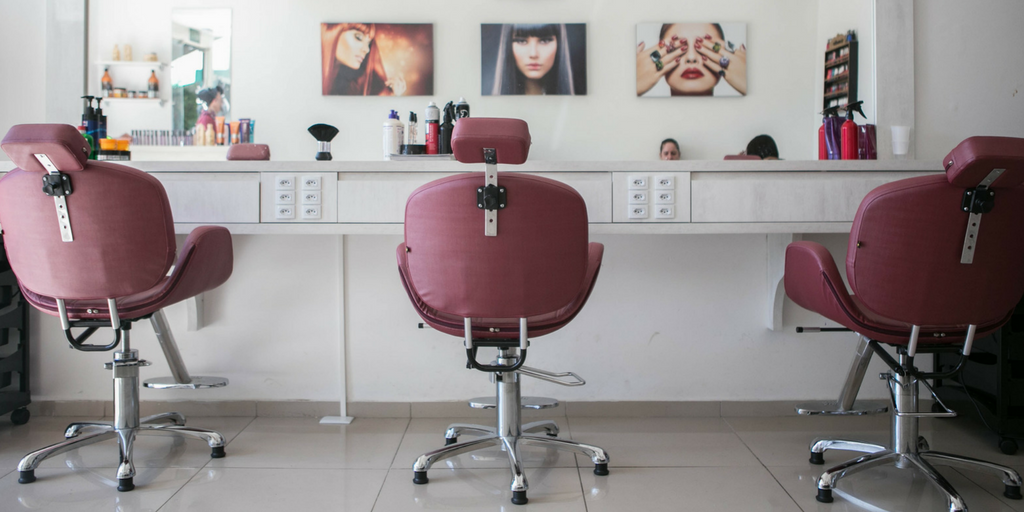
{"x":132,"y":63}
{"x":840,"y":52}
{"x":135,"y":101}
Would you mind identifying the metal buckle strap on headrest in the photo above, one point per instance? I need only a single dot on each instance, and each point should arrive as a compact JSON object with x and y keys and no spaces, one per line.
{"x":490,"y":198}
{"x":977,"y":201}
{"x":58,"y":185}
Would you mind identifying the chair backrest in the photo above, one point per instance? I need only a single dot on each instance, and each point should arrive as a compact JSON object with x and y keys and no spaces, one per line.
{"x":534,"y":266}
{"x":904,"y":256}
{"x":120,"y":219}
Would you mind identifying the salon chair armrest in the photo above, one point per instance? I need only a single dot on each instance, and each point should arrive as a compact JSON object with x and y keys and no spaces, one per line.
{"x":813,"y":281}
{"x":204,"y":263}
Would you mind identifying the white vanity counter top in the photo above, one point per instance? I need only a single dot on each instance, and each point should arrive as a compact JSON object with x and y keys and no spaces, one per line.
{"x":541,"y":166}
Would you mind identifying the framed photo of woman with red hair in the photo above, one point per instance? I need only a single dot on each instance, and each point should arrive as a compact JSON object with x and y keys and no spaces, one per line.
{"x":377,"y":59}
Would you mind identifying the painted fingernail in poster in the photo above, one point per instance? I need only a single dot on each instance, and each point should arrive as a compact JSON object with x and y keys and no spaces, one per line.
{"x":533,"y":59}
{"x":377,"y":59}
{"x":691,"y":59}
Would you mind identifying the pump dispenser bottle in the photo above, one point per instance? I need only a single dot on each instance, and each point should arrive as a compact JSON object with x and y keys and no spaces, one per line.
{"x":412,"y":130}
{"x":830,"y":132}
{"x":850,"y":133}
{"x":393,"y":135}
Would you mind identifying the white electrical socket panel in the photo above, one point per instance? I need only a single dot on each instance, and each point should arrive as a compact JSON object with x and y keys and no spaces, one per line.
{"x":310,"y":198}
{"x":664,"y":197}
{"x":664,"y":211}
{"x":311,"y":182}
{"x":285,"y":212}
{"x":664,"y":182}
{"x":285,"y":198}
{"x":311,"y":212}
{"x":637,"y":197}
{"x":285,"y":182}
{"x":638,"y":182}
{"x":637,"y":212}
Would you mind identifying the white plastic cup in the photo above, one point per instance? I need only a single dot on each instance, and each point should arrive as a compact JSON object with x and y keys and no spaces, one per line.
{"x":900,"y":140}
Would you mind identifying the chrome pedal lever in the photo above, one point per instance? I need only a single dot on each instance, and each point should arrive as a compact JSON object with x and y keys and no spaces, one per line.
{"x":557,"y":378}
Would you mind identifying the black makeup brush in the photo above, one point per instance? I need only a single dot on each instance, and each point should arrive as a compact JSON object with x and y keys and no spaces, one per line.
{"x":324,"y":134}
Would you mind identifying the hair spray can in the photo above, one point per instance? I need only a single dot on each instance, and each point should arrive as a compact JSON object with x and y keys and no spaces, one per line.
{"x":433,"y":128}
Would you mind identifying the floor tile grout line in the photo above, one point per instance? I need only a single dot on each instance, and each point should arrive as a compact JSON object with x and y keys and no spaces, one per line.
{"x":206,"y":464}
{"x":777,"y":482}
{"x":394,"y":457}
{"x":381,"y":490}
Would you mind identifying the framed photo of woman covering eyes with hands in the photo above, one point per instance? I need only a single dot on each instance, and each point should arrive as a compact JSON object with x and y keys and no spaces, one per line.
{"x":691,"y":59}
{"x":377,"y":59}
{"x":535,"y":58}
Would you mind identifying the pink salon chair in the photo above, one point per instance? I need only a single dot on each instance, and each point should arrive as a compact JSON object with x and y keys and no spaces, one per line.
{"x":933,"y":262}
{"x":497,"y":262}
{"x":92,"y":243}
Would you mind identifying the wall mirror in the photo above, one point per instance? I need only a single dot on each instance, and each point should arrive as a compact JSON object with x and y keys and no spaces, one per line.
{"x":200,"y":59}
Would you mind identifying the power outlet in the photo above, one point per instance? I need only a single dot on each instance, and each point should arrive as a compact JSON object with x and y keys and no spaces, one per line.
{"x":664,"y":197}
{"x":285,"y":198}
{"x":311,"y":182}
{"x":665,"y":182}
{"x":665,"y":211}
{"x":310,"y":198}
{"x":638,"y":183}
{"x":285,"y":212}
{"x":285,"y":182}
{"x":311,"y":212}
{"x":637,"y":197}
{"x":637,"y":212}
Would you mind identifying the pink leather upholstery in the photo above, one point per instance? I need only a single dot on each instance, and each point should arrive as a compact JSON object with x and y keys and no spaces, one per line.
{"x":975,"y":157}
{"x":903,"y":261}
{"x":509,"y":137}
{"x":742,"y":157}
{"x":123,"y":242}
{"x":66,"y":148}
{"x":249,"y":152}
{"x":540,"y":266}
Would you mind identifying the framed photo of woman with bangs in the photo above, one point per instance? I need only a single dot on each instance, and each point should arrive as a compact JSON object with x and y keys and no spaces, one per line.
{"x":533,"y":59}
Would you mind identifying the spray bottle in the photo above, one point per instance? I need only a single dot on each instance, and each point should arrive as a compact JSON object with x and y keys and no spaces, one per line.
{"x":433,"y":137}
{"x":850,"y":133}
{"x":447,"y":128}
{"x":831,"y":132}
{"x":822,"y":148}
{"x":101,"y":120}
{"x":412,"y":131}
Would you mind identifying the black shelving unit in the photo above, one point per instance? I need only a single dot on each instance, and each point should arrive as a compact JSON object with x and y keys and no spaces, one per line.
{"x":840,"y":71}
{"x":994,"y":378}
{"x":14,"y":347}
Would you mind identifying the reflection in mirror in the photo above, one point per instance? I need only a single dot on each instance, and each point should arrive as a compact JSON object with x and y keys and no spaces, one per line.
{"x":200,"y":65}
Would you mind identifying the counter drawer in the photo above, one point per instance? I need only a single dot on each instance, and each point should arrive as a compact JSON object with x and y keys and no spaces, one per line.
{"x":783,"y":196}
{"x":215,"y":198}
{"x":380,"y":197}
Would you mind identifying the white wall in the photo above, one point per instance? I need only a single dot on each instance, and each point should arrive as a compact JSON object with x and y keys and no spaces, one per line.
{"x":965,"y":89}
{"x":276,"y":72}
{"x":22,"y":71}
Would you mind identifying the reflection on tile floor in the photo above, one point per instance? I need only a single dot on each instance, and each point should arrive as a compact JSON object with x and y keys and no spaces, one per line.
{"x":693,"y":464}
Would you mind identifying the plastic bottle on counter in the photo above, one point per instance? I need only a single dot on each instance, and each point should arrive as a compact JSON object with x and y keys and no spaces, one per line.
{"x":461,"y":109}
{"x":413,"y":135}
{"x":394,"y":134}
{"x":433,"y":128}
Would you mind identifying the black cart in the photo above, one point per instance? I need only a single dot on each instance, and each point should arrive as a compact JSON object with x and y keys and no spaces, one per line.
{"x":992,"y":382}
{"x":14,"y":371}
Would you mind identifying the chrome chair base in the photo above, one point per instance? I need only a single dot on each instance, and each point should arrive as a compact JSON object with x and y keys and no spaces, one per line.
{"x":509,"y":434}
{"x":909,"y":450}
{"x":125,"y":427}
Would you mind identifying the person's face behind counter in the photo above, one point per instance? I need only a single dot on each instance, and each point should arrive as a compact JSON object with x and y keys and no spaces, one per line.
{"x":353,"y":45}
{"x":669,"y":151}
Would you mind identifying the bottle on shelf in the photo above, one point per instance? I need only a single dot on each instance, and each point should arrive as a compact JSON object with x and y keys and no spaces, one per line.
{"x":154,"y":84}
{"x":107,"y":84}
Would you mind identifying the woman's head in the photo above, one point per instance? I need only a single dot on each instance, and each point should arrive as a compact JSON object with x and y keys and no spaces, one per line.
{"x":669,"y":149}
{"x":533,"y":52}
{"x":764,"y":147}
{"x":354,"y":44}
{"x":691,"y":77}
{"x":352,"y":64}
{"x":212,"y":97}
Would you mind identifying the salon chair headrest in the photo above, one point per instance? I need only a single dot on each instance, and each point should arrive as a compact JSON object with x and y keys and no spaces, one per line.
{"x":62,"y":143}
{"x":974,"y":158}
{"x":249,"y":152}
{"x":510,"y":138}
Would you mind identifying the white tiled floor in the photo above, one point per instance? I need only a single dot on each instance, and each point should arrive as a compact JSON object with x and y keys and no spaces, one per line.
{"x":658,"y":464}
